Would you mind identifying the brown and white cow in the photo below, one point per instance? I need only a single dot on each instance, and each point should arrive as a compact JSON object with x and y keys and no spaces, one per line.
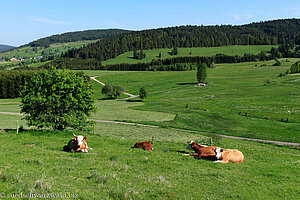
{"x":228,"y":155}
{"x":77,"y":144}
{"x":202,"y":151}
{"x":143,"y":145}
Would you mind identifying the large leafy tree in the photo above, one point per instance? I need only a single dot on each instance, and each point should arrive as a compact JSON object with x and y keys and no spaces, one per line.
{"x":58,"y":99}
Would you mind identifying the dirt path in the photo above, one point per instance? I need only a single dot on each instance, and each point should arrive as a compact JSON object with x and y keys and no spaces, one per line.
{"x":178,"y":129}
{"x":131,"y":96}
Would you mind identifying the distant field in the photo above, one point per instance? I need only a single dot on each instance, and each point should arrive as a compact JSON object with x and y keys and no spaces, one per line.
{"x":196,"y":51}
{"x":233,"y":90}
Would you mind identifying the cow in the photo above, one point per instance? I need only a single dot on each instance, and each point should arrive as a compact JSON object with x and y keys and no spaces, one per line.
{"x":71,"y":146}
{"x":202,"y":151}
{"x":143,"y":145}
{"x":77,"y":144}
{"x":228,"y":155}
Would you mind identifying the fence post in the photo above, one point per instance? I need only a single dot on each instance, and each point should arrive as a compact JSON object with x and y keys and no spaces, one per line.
{"x":93,"y":127}
{"x":17,"y":127}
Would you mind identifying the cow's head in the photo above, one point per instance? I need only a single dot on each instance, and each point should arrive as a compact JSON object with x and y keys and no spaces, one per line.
{"x":190,"y":145}
{"x":218,"y":151}
{"x":79,"y":138}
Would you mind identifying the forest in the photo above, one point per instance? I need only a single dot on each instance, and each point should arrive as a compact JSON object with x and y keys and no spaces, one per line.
{"x":285,"y":31}
{"x":76,"y":36}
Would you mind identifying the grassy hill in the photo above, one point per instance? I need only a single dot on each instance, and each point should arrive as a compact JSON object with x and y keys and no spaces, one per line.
{"x":36,"y":162}
{"x":233,"y":90}
{"x":196,"y":51}
{"x":33,"y":161}
{"x":54,"y":49}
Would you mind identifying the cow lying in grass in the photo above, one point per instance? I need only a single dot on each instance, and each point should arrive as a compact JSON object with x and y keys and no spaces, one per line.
{"x":143,"y":145}
{"x":77,"y":144}
{"x":228,"y":155}
{"x":202,"y":151}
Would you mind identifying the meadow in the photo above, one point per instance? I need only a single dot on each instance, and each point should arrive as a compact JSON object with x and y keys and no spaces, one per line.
{"x":244,"y":99}
{"x":33,"y":161}
{"x":196,"y":51}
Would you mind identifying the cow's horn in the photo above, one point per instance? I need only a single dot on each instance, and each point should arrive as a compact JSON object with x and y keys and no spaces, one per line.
{"x":85,"y":135}
{"x":74,"y":135}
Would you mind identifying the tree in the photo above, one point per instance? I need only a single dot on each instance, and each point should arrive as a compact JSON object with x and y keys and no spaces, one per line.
{"x":58,"y":99}
{"x":112,"y":91}
{"x":143,"y":93}
{"x":107,"y":91}
{"x":175,"y":50}
{"x":295,"y":68}
{"x":117,"y":90}
{"x":277,"y":63}
{"x":201,"y":72}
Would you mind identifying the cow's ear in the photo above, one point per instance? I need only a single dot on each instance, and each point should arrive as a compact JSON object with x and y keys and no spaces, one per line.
{"x":84,"y":138}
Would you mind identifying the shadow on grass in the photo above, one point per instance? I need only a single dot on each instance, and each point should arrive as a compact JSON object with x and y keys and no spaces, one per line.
{"x":131,"y":100}
{"x":107,"y":99}
{"x":186,"y":83}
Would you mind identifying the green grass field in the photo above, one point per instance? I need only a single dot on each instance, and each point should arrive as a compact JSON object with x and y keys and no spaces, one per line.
{"x":33,"y":162}
{"x":232,"y":89}
{"x":196,"y":51}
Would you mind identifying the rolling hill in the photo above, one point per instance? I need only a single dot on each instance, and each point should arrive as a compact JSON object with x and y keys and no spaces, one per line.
{"x":284,"y":31}
{"x":76,"y":36}
{"x":56,"y":44}
{"x":4,"y":47}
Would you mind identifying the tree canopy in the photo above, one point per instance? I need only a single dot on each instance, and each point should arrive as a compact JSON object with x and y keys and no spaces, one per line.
{"x":201,"y":72}
{"x":58,"y":99}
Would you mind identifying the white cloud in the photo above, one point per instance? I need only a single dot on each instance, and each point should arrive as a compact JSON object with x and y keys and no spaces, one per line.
{"x":236,"y":17}
{"x":239,"y":17}
{"x":45,"y":21}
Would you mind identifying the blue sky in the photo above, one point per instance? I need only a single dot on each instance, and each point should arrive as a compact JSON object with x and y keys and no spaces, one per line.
{"x":23,"y":21}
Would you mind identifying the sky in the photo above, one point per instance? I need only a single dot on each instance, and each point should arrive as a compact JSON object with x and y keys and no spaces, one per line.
{"x":23,"y":21}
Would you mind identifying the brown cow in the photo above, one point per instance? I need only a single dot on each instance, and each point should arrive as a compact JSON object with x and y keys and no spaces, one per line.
{"x":83,"y":147}
{"x":202,"y":151}
{"x":228,"y":155}
{"x":144,"y":145}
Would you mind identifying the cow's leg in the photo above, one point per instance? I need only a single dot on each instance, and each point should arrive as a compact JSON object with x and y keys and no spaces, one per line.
{"x":220,"y":161}
{"x":79,"y":149}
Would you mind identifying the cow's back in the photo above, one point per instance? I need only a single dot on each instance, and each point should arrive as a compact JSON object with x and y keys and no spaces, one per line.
{"x":143,"y":145}
{"x":233,"y":156}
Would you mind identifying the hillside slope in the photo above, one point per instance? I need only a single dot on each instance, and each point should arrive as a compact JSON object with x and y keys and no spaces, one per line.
{"x":285,"y":31}
{"x":76,"y":36}
{"x":4,"y":47}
